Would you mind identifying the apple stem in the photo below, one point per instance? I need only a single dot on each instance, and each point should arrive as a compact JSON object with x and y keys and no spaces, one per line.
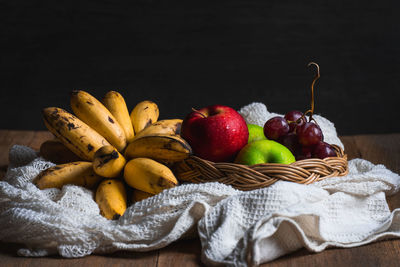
{"x":202,"y":114}
{"x":311,"y":111}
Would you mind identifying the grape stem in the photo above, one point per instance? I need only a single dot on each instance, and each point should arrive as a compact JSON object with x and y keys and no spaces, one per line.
{"x":311,"y":111}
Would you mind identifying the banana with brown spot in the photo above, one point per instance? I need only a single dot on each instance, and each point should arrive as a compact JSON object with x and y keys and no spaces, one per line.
{"x":116,"y":104}
{"x":144,"y":114}
{"x":111,"y":198}
{"x":96,"y":115}
{"x":165,"y":148}
{"x":77,"y":173}
{"x":73,"y":133}
{"x":149,"y":175}
{"x":166,"y":127}
{"x":108,"y":162}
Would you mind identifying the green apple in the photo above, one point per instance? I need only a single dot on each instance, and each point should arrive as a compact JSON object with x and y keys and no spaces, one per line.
{"x":264,"y":151}
{"x":255,"y":133}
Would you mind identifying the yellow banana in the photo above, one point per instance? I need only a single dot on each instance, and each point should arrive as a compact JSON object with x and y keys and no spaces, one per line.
{"x":165,"y":148}
{"x":111,"y":198}
{"x":96,"y":115}
{"x":73,"y":133}
{"x":144,"y":114}
{"x":108,"y":162}
{"x":139,"y":195}
{"x":55,"y":151}
{"x":76,"y":173}
{"x":148,"y":175}
{"x":170,"y":127}
{"x":115,"y":103}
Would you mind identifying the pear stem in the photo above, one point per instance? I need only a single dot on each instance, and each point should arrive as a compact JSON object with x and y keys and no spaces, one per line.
{"x":198,"y":112}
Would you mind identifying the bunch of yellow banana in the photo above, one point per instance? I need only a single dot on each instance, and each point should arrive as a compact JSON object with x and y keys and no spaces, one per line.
{"x":148,"y":175}
{"x":76,"y":135}
{"x":108,"y":162}
{"x":168,"y":127}
{"x":111,"y":198}
{"x":116,"y":104}
{"x":117,"y":145}
{"x":144,"y":114}
{"x":96,"y":115}
{"x":55,"y":151}
{"x":77,"y":173}
{"x":160,"y":147}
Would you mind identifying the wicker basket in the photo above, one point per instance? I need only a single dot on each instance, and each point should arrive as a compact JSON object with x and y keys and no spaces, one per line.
{"x":242,"y":177}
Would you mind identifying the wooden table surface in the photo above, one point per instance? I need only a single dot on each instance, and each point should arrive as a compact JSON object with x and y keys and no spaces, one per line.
{"x":382,"y":149}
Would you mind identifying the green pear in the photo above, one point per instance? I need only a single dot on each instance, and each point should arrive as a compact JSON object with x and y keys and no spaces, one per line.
{"x":255,"y":133}
{"x":264,"y":151}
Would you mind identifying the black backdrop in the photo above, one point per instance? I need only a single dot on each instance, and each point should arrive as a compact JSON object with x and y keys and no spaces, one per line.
{"x":184,"y":54}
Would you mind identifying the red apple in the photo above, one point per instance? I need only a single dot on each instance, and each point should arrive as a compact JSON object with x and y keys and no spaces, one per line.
{"x":216,"y":133}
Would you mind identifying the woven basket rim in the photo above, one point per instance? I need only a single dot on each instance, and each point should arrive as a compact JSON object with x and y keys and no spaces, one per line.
{"x":244,"y":177}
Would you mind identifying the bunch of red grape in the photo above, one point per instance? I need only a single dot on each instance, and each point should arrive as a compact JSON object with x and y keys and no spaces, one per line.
{"x":304,"y":139}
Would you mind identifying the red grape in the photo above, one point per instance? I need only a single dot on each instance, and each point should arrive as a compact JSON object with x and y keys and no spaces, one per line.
{"x":323,"y":150}
{"x":309,"y":134}
{"x":292,"y":117}
{"x":305,"y":152}
{"x":290,"y":141}
{"x":275,"y":128}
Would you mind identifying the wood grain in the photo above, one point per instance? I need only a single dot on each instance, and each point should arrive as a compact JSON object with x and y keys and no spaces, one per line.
{"x":182,"y":253}
{"x":8,"y":257}
{"x":379,"y":149}
{"x":9,"y":138}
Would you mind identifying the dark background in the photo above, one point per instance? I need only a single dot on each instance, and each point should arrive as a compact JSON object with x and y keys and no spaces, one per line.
{"x":184,"y":54}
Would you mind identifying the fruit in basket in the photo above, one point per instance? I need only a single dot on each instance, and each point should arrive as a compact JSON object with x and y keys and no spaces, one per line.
{"x":161,"y":147}
{"x":294,"y":118}
{"x":276,"y":127}
{"x":116,"y":104}
{"x":255,"y":133}
{"x":309,"y":134}
{"x":108,"y":162}
{"x":171,"y":127}
{"x":55,"y":151}
{"x":291,"y":142}
{"x":216,"y":133}
{"x":323,"y":150}
{"x":149,"y":175}
{"x":96,"y":115}
{"x":303,"y":138}
{"x":111,"y":198}
{"x":264,"y":151}
{"x":144,"y":114}
{"x":77,"y":173}
{"x":305,"y":152}
{"x":73,"y":133}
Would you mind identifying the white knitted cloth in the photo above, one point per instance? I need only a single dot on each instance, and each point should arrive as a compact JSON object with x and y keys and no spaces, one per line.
{"x":236,"y":228}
